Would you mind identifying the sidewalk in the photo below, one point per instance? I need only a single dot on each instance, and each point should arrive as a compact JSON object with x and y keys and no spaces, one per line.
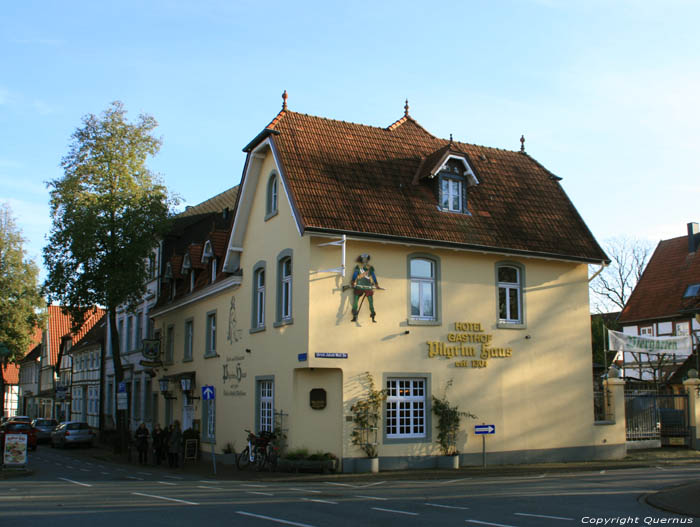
{"x":681,"y":499}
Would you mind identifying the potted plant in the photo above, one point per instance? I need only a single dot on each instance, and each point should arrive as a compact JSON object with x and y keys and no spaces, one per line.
{"x":365,"y":417}
{"x":449,"y":419}
{"x":228,"y":457}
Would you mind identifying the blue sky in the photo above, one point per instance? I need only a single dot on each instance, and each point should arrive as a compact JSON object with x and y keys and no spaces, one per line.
{"x":605,"y":92}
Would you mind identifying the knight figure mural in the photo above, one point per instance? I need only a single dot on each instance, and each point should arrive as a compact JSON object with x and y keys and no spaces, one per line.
{"x":363,"y":284}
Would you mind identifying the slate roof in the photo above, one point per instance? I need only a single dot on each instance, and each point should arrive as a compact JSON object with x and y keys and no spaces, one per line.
{"x":363,"y":180}
{"x":659,"y":292}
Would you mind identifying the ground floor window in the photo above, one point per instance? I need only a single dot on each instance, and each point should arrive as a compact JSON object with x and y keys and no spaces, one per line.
{"x":266,"y":405}
{"x":405,"y":408}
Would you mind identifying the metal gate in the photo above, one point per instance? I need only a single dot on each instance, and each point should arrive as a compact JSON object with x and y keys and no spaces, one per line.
{"x":657,"y":416}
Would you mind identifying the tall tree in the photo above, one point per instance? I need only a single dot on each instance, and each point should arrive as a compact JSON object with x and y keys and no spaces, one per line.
{"x":613,"y":286}
{"x":109,"y":210}
{"x":20,"y":296}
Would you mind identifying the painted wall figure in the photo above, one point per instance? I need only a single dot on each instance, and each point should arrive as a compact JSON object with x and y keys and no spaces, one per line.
{"x":364,"y":282}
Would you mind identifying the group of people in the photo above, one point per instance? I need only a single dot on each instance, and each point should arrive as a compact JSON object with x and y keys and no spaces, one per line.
{"x":166,"y":441}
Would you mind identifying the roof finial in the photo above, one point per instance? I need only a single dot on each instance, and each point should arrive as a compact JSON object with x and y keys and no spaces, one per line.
{"x":284,"y":100}
{"x":450,"y":138}
{"x":522,"y":144}
{"x":405,"y":109}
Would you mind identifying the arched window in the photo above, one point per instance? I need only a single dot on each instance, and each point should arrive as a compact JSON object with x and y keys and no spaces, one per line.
{"x":510,"y":298}
{"x":272,"y":196}
{"x":285,"y":274}
{"x":258,"y":318}
{"x":422,"y":289}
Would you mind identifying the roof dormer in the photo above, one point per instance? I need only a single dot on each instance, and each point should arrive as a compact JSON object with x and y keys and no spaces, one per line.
{"x":186,"y":265}
{"x":207,"y":252}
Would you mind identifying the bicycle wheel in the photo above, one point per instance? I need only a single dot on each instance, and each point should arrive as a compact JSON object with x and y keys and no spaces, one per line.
{"x":260,"y":458}
{"x":243,"y":459}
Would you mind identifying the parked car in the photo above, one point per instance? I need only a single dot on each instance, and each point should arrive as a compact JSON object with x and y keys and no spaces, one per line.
{"x":12,"y":427}
{"x":72,"y":433}
{"x":43,"y":428}
{"x":20,"y":419}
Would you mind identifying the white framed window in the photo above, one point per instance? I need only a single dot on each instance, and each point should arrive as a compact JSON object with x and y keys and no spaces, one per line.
{"x":646,"y":331}
{"x":451,"y":193}
{"x":406,"y":408}
{"x":189,"y":340}
{"x":285,"y":289}
{"x":423,"y":277}
{"x":259,"y":301}
{"x":509,"y":294}
{"x":266,"y":405}
{"x":682,"y":329}
{"x":211,"y":335}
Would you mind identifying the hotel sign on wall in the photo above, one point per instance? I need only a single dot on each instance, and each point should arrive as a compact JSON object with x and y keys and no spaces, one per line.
{"x":469,"y":345}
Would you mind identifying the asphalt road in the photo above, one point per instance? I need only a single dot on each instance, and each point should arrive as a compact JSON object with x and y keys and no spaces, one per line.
{"x":71,"y":489}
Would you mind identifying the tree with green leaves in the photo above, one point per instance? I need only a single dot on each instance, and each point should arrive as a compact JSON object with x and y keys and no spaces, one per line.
{"x":109,"y":211}
{"x":20,"y":296}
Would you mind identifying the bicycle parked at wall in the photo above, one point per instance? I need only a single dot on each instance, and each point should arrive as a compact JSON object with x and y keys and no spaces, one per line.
{"x":260,"y":452}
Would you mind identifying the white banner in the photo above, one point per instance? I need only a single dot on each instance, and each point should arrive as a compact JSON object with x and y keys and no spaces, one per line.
{"x":680,"y":346}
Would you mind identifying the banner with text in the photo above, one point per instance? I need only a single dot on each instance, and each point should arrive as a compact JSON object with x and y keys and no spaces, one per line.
{"x":618,"y":341}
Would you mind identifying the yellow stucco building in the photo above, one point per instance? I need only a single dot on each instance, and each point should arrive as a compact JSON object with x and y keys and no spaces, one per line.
{"x":438,"y":267}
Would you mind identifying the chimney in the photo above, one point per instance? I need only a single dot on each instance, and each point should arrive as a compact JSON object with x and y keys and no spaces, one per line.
{"x":693,"y":237}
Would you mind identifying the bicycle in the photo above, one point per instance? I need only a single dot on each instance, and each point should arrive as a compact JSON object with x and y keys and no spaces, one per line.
{"x":259,"y":452}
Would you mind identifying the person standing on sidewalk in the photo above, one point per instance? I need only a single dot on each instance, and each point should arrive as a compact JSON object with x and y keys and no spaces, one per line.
{"x":158,"y":444}
{"x":141,"y":437}
{"x":174,"y":444}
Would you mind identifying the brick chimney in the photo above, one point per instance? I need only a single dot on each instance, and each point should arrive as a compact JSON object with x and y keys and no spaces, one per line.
{"x":693,"y":237}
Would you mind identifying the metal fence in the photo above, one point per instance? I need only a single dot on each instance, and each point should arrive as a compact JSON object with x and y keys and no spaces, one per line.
{"x":657,"y":416}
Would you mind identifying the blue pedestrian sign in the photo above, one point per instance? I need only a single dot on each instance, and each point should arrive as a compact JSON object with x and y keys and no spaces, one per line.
{"x":484,"y":429}
{"x":208,"y":392}
{"x":121,"y":387}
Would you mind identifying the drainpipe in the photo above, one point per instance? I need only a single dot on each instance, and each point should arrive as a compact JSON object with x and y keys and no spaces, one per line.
{"x":603,"y":265}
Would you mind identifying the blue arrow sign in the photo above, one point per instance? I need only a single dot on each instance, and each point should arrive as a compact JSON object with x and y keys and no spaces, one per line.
{"x":208,"y":392}
{"x":484,"y":429}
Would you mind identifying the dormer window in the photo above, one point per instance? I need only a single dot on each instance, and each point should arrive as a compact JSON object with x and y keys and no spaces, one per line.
{"x":454,"y":178}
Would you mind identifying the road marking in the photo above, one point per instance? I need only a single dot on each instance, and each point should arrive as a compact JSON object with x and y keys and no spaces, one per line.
{"x":371,"y":484}
{"x":320,"y":501}
{"x":602,"y":472}
{"x":207,"y":481}
{"x":134,"y":477}
{"x":206,"y":487}
{"x":164,"y":498}
{"x":270,"y":518}
{"x":454,"y":481}
{"x":660,"y":468}
{"x":167,"y":483}
{"x":487,"y":523}
{"x":395,"y":511}
{"x":105,"y":473}
{"x":446,"y":506}
{"x":372,"y":498}
{"x":255,"y":486}
{"x":76,"y":482}
{"x":145,"y":473}
{"x":88,"y":463}
{"x":339,"y":484}
{"x":259,"y":493}
{"x":308,"y":490}
{"x":69,"y":466}
{"x":173,"y":477}
{"x":543,"y":516}
{"x":86,"y":470}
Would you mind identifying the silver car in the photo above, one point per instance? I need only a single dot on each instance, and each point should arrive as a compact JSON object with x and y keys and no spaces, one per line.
{"x":44,"y":427}
{"x":72,"y":433}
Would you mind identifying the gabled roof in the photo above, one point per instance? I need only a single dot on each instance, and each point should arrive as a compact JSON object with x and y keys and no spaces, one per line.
{"x":59,"y":326}
{"x":659,"y":292}
{"x":10,"y":373}
{"x":92,"y":338}
{"x":346,"y":178}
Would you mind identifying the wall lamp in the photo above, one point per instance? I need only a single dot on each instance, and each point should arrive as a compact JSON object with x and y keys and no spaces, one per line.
{"x":164,"y":385}
{"x":186,"y":386}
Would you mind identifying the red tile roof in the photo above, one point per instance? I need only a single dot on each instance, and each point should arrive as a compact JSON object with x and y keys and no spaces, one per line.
{"x":363,"y":180}
{"x":10,"y":374}
{"x":659,"y":293}
{"x":59,"y":326}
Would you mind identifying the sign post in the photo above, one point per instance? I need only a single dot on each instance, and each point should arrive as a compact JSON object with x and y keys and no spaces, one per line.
{"x":122,"y":397}
{"x":208,"y":395}
{"x":483,"y":430}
